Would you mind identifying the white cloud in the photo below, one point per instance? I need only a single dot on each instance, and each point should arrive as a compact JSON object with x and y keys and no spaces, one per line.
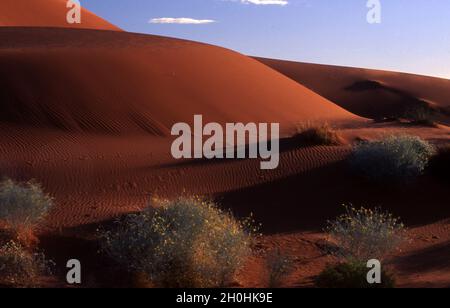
{"x":181,"y":21}
{"x":265,"y":2}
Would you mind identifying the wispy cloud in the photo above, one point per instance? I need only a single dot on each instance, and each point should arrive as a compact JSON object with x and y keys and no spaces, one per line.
{"x":264,"y":2}
{"x":181,"y":21}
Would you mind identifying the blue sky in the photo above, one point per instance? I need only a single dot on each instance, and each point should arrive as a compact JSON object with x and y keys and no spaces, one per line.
{"x":413,"y":36}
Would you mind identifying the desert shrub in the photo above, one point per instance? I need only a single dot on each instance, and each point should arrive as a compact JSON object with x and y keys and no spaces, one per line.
{"x":440,"y":164}
{"x":187,"y":242}
{"x":352,"y":275}
{"x":421,"y":115}
{"x":322,"y":134}
{"x":279,"y":267}
{"x":393,"y":158}
{"x":21,"y":268}
{"x":363,"y":234}
{"x":22,"y":205}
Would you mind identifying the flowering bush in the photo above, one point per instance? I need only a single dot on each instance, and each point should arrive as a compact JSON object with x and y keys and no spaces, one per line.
{"x":187,"y":242}
{"x":20,"y":268}
{"x":364,"y":234}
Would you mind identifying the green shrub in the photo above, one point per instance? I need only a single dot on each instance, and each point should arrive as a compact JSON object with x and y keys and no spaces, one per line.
{"x":364,"y":234}
{"x":187,"y":242}
{"x":323,"y":134}
{"x":393,"y":158}
{"x":20,"y":268}
{"x":279,"y":267}
{"x":22,"y":205}
{"x":352,"y":275}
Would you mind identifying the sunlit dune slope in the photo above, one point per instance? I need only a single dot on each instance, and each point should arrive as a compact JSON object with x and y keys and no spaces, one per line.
{"x":105,"y":81}
{"x":370,"y":93}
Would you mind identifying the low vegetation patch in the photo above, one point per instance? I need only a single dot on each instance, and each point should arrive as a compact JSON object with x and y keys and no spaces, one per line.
{"x":322,"y":134}
{"x":187,"y":242}
{"x":356,"y":237}
{"x":395,"y":158}
{"x":352,"y":275}
{"x":421,"y":115}
{"x":21,"y":268}
{"x":363,"y":234}
{"x":23,"y":205}
{"x":279,"y":266}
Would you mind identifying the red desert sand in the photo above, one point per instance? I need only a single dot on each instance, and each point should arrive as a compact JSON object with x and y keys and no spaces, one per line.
{"x":88,"y":114}
{"x":46,"y":13}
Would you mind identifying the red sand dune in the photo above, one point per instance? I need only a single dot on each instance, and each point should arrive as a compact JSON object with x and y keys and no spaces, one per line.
{"x":97,"y":81}
{"x":46,"y":13}
{"x":369,"y":93}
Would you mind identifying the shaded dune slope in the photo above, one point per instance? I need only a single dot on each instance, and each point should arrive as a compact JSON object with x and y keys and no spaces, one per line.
{"x":46,"y":13}
{"x":104,"y":81}
{"x":370,"y":93}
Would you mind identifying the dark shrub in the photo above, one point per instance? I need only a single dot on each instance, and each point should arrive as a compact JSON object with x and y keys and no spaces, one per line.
{"x":421,"y":115}
{"x":279,"y":267}
{"x":351,"y":275}
{"x":21,"y":268}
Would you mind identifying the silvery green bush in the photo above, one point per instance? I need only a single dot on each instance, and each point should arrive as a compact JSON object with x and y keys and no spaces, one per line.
{"x":393,"y":158}
{"x":187,"y":242}
{"x":23,"y":205}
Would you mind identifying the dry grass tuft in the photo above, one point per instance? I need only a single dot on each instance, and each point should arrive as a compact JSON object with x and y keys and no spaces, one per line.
{"x":321,"y":134}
